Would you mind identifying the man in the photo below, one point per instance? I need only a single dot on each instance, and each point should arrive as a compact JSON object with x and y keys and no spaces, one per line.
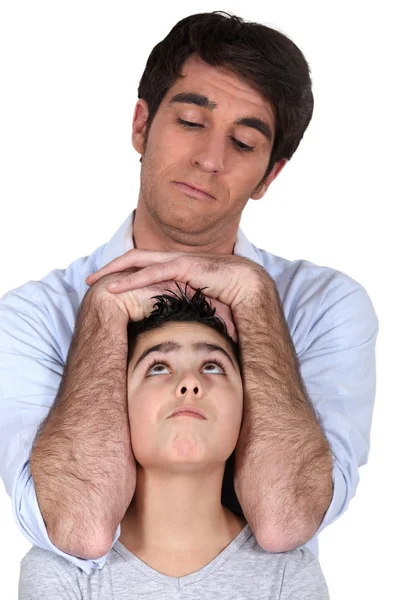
{"x":306,"y":333}
{"x":180,"y":359}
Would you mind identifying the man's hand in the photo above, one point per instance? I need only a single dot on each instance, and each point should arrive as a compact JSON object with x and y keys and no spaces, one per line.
{"x":133,"y":305}
{"x":227,"y":278}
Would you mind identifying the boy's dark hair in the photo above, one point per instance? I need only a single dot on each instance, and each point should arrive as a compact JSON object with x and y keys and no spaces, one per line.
{"x":263,"y":57}
{"x":171,"y":307}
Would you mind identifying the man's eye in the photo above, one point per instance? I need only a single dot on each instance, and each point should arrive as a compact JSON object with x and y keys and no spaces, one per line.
{"x":243,"y":147}
{"x":189,"y":124}
{"x":239,"y":145}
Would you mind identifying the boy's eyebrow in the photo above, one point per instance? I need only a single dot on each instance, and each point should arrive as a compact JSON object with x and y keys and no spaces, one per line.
{"x":170,"y":346}
{"x":164,"y":347}
{"x":204,"y":347}
{"x":248,"y":121}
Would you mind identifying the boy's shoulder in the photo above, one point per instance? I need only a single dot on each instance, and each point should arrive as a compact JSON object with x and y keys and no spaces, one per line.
{"x":38,"y":558}
{"x":45,"y":575}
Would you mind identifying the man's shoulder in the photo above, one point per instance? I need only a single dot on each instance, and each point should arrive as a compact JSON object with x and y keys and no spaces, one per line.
{"x":283,"y":269}
{"x":70,"y":281}
{"x":60,"y":291}
{"x":46,"y":310}
{"x":300,"y":280}
{"x":315,"y":297}
{"x":61,"y":280}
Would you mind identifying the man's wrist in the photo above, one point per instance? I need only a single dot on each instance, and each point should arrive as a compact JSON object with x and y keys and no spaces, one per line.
{"x":259,"y":287}
{"x":103,"y":311}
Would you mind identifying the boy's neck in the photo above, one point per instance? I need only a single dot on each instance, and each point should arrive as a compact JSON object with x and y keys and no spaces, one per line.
{"x":176,"y":522}
{"x":166,"y":557}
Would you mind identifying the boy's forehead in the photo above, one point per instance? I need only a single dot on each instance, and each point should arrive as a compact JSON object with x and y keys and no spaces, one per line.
{"x":184,"y":338}
{"x":183,"y":333}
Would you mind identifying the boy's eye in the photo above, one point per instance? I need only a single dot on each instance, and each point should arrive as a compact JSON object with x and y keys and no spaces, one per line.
{"x":157,"y":369}
{"x":161,"y":368}
{"x":213,"y":367}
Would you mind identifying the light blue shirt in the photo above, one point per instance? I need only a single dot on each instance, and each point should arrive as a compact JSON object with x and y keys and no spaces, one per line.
{"x":333,"y":326}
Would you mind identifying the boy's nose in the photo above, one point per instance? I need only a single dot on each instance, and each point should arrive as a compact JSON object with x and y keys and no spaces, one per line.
{"x":189,"y":384}
{"x":184,"y":390}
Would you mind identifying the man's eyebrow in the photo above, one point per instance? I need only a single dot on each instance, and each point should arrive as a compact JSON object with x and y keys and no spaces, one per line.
{"x":194,"y":98}
{"x":170,"y":346}
{"x":200,"y":100}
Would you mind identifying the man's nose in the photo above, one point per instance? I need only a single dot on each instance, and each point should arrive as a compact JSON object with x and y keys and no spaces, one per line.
{"x":210,"y":156}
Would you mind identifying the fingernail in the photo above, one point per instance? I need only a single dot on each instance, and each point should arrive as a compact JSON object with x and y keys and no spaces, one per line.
{"x":114,"y":285}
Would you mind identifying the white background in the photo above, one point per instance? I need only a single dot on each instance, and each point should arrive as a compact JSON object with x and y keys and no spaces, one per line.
{"x":69,"y":177}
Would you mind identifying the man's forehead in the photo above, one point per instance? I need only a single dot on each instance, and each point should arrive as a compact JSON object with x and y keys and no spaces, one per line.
{"x":209,"y":81}
{"x":195,"y":65}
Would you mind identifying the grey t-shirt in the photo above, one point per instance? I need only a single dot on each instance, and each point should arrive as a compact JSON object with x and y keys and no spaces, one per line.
{"x":243,"y":570}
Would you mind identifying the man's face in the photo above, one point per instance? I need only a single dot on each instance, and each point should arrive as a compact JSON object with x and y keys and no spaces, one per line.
{"x":214,"y":154}
{"x":186,"y":372}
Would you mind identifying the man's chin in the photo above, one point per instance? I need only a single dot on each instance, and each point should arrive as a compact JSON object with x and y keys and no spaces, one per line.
{"x":185,"y":220}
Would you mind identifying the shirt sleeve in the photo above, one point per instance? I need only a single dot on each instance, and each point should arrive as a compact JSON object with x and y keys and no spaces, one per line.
{"x":31,"y":367}
{"x":308,"y":584}
{"x":338,"y":368}
{"x":41,"y":579}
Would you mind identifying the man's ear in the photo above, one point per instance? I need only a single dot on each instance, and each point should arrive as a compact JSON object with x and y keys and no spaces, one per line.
{"x":139,"y":125}
{"x":276,"y":169}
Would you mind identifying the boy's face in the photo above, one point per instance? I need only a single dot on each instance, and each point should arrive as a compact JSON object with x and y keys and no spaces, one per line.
{"x":183,"y":374}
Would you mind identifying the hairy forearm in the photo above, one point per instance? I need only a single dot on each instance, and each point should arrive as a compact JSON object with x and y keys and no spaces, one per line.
{"x":283,"y":461}
{"x":81,"y":461}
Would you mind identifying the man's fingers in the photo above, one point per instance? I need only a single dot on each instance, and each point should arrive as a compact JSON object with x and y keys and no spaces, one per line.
{"x":150,"y":275}
{"x":132,"y":259}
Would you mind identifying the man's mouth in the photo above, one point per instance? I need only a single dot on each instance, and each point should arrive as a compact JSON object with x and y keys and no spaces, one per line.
{"x":192,"y":192}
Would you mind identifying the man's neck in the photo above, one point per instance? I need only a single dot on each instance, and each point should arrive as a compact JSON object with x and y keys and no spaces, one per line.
{"x":149,"y":235}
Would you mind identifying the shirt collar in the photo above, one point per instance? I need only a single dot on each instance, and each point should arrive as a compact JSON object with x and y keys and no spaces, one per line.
{"x":122,"y":241}
{"x":243,"y":247}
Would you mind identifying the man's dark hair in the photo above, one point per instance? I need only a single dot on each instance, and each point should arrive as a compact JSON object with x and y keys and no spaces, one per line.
{"x":263,"y":57}
{"x":172,"y":307}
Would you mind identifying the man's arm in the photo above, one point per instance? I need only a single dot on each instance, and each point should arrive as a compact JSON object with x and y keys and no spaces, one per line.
{"x":291,"y":477}
{"x":82,"y":462}
{"x":283,"y":461}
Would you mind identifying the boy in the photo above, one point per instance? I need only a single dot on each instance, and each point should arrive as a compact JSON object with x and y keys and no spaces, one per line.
{"x":185,"y":404}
